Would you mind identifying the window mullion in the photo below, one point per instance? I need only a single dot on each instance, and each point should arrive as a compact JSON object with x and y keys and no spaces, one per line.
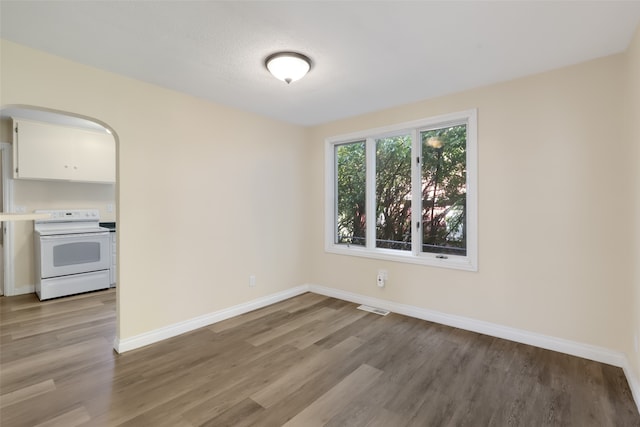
{"x":334,"y":166}
{"x":416,"y":193}
{"x":371,"y":193}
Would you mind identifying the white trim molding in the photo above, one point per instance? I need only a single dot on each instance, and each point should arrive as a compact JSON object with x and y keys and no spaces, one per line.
{"x":7,"y":227}
{"x":469,"y":262}
{"x":22,"y":290}
{"x":573,"y":348}
{"x":169,"y":331}
{"x":634,"y":382}
{"x":586,"y":351}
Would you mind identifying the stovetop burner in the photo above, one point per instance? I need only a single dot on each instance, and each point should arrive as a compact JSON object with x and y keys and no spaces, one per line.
{"x":72,"y":221}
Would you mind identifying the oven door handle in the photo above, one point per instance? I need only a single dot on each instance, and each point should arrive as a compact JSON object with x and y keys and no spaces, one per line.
{"x":73,"y":236}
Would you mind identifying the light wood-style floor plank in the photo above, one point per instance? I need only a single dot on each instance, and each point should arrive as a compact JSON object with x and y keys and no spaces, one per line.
{"x":73,"y":418}
{"x":287,"y":383}
{"x":307,"y":361}
{"x":28,"y":392}
{"x":321,"y":315}
{"x":337,"y":399}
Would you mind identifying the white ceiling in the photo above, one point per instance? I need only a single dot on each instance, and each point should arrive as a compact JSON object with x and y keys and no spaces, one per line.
{"x":367,"y":55}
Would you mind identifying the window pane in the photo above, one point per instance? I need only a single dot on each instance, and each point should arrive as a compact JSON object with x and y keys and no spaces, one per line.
{"x":444,"y":190}
{"x":393,"y":192}
{"x":350,"y":187}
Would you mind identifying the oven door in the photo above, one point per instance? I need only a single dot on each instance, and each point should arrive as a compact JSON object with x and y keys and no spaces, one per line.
{"x":64,"y":254}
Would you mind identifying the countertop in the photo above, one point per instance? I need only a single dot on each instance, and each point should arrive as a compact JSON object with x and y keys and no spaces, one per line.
{"x":110,"y":225}
{"x":22,"y":216}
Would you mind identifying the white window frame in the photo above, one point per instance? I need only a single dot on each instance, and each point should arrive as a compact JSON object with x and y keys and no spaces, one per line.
{"x":415,"y":256}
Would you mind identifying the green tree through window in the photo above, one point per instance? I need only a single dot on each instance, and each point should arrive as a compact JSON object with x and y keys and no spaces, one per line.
{"x":351,"y":187}
{"x":444,"y":190}
{"x":406,"y":192}
{"x":393,"y":192}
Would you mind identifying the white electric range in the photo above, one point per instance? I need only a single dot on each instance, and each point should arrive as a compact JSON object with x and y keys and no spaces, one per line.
{"x":73,"y":253}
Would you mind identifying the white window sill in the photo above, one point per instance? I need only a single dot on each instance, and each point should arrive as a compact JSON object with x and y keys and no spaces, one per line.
{"x":452,"y":262}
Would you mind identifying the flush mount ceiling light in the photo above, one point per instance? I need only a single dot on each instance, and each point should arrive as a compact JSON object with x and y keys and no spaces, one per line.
{"x":288,"y":66}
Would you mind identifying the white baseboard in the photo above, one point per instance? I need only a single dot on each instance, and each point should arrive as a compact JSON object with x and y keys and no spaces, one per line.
{"x":26,"y":289}
{"x":573,"y":348}
{"x":586,"y":351}
{"x":634,"y":383}
{"x":170,"y":331}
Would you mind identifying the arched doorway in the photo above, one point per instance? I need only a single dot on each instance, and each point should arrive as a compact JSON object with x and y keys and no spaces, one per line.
{"x":22,"y":197}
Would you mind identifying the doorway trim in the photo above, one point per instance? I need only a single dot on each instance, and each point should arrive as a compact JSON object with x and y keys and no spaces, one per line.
{"x":7,"y":226}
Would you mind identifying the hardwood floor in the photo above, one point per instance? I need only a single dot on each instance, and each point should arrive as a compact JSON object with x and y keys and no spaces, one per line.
{"x":308,"y":361}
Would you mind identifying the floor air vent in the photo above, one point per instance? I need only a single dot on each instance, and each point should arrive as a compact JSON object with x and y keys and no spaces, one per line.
{"x":375,"y":310}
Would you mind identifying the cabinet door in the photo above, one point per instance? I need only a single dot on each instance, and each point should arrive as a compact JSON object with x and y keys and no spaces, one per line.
{"x":48,"y":151}
{"x":41,"y":151}
{"x":94,"y":157}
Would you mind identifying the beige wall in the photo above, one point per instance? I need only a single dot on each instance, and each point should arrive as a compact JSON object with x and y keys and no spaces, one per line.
{"x":207,"y":195}
{"x":633,"y":118}
{"x":554,"y":252}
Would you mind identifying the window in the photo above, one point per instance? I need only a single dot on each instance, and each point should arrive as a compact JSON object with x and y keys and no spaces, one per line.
{"x":350,"y":198}
{"x":419,"y":178}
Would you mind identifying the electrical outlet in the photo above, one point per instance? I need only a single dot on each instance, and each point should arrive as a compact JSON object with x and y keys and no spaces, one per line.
{"x":110,"y":207}
{"x":381,"y":279}
{"x":252,"y":281}
{"x":20,"y":209}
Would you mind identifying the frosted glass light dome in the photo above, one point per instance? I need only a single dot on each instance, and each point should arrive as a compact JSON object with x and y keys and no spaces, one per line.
{"x":288,"y":66}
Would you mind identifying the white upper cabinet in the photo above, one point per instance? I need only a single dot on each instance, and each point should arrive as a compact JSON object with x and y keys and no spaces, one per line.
{"x":49,"y":151}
